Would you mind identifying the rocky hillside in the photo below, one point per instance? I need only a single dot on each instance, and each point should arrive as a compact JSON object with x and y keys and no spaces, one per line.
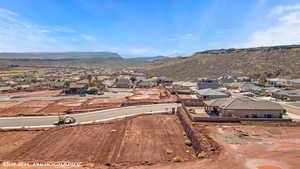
{"x":276,"y":60}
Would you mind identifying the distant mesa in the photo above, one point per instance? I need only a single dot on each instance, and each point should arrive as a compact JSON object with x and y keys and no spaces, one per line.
{"x":149,"y":58}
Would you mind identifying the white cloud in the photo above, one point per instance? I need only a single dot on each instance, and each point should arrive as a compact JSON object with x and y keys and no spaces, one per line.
{"x":8,"y":12}
{"x":187,"y":36}
{"x":19,"y":35}
{"x":281,"y":9}
{"x":286,"y":29}
{"x":88,"y":37}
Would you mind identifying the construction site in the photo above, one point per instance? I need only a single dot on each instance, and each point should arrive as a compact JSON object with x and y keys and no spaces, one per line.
{"x":163,"y":140}
{"x":49,"y":103}
{"x":170,"y":140}
{"x":139,"y":140}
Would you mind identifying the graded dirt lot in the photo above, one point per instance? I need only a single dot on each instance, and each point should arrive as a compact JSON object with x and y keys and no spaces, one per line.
{"x":7,"y":104}
{"x":49,"y":93}
{"x":186,"y":96}
{"x":145,"y":94}
{"x":248,"y":147}
{"x":14,"y":93}
{"x":25,"y":108}
{"x":100,"y":104}
{"x":62,"y":105}
{"x":261,"y":147}
{"x":12,"y":140}
{"x":39,"y":107}
{"x":140,"y":140}
{"x":102,"y":100}
{"x":119,"y":90}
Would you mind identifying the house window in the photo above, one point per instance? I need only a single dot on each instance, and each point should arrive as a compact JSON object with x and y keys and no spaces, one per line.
{"x":268,"y":115}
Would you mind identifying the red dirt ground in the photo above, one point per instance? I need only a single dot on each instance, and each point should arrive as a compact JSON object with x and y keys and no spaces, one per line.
{"x":12,"y":140}
{"x":99,"y":104}
{"x":49,"y":93}
{"x":291,"y":109}
{"x":185,"y":96}
{"x":12,"y":93}
{"x":25,"y":108}
{"x":119,"y":89}
{"x":7,"y":104}
{"x":140,"y":94}
{"x":268,"y":167}
{"x":138,"y":140}
{"x":97,"y":101}
{"x":60,"y":106}
{"x":259,"y":150}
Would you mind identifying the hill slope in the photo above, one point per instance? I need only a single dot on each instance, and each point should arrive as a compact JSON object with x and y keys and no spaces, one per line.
{"x":277,"y":60}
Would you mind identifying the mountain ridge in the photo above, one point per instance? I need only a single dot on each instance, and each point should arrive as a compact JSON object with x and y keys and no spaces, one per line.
{"x":274,"y":60}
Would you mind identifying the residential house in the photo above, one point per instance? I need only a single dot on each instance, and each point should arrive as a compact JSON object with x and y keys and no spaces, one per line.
{"x":295,"y":83}
{"x":249,"y":87}
{"x":278,"y":82}
{"x":226,"y":79}
{"x":205,"y":83}
{"x":140,"y":78}
{"x":244,"y":79}
{"x":76,"y":88}
{"x":146,"y":84}
{"x":266,"y":91}
{"x":292,"y":95}
{"x":56,"y":85}
{"x":5,"y":89}
{"x":244,"y":107}
{"x":25,"y":87}
{"x":207,"y":94}
{"x":123,"y":83}
{"x":164,"y":80}
{"x":184,"y":85}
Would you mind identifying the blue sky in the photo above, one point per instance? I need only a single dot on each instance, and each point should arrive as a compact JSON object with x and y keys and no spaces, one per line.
{"x":146,"y":27}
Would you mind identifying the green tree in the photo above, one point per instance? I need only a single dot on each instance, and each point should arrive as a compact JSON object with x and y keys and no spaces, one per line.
{"x":133,"y":79}
{"x":90,"y":79}
{"x":67,"y":84}
{"x":93,"y":90}
{"x":262,"y":80}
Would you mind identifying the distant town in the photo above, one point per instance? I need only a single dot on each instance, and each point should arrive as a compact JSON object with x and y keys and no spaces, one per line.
{"x":265,"y":92}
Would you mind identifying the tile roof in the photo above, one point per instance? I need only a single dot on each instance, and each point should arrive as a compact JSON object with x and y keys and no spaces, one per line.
{"x":210,"y":92}
{"x":244,"y":103}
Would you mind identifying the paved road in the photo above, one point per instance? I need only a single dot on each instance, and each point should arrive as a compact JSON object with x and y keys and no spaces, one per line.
{"x":48,"y":121}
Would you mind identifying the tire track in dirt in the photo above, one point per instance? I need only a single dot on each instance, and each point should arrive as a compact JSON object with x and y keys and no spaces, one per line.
{"x":127,"y":142}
